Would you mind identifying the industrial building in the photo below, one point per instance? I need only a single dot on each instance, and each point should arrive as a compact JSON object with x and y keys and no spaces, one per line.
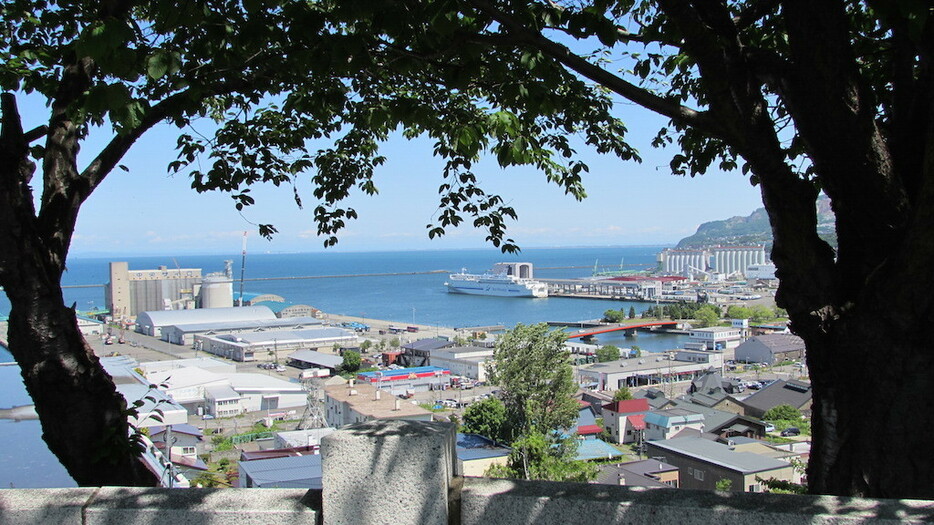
{"x":270,"y":345}
{"x":157,"y":408}
{"x":736,"y":259}
{"x":465,"y":361}
{"x":184,"y":334}
{"x":130,"y":292}
{"x":228,"y":394}
{"x":653,"y":369}
{"x":405,"y":381}
{"x":152,"y":322}
{"x":678,"y":262}
{"x":770,"y":349}
{"x":714,"y":338}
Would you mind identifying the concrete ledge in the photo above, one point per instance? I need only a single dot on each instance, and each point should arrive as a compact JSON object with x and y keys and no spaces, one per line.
{"x":492,"y":502}
{"x":30,"y":506}
{"x":388,"y":471}
{"x":123,"y":506}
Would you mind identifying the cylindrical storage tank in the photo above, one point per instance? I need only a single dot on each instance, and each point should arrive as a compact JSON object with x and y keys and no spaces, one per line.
{"x":216,"y":292}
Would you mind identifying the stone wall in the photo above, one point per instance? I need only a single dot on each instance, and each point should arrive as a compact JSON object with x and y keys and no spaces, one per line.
{"x":401,"y":472}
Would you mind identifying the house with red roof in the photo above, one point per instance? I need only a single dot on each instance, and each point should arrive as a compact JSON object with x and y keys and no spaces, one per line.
{"x":625,"y":420}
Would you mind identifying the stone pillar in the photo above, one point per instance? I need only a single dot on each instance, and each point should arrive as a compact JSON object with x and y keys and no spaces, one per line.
{"x":388,"y":471}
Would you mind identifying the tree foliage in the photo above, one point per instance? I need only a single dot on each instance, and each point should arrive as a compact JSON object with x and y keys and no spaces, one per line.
{"x":782,"y":412}
{"x":533,"y":369}
{"x":614,"y":316}
{"x":707,"y":315}
{"x":623,"y":394}
{"x":607,"y":353}
{"x":547,"y":457}
{"x":351,"y":363}
{"x":486,"y":418}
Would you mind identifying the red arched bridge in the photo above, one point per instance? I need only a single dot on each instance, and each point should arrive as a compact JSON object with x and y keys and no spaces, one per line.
{"x":629,"y":328}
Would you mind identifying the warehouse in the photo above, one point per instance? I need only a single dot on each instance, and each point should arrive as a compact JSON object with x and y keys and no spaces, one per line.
{"x":151,"y":323}
{"x":184,"y":334}
{"x":270,"y":345}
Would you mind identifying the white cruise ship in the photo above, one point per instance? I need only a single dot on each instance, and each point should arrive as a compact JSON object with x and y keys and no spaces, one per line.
{"x":503,"y":280}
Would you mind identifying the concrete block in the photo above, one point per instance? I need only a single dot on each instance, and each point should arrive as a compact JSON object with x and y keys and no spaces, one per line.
{"x":30,"y":506}
{"x":122,"y":506}
{"x":510,"y":502}
{"x":388,"y":471}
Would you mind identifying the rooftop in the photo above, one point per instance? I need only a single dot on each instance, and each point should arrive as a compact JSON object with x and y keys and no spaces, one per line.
{"x":284,"y":337}
{"x":473,"y":446}
{"x":317,"y":358}
{"x":249,"y":324}
{"x":365,"y":403}
{"x":719,"y":454}
{"x":779,"y":343}
{"x":287,"y":472}
{"x":781,"y":392}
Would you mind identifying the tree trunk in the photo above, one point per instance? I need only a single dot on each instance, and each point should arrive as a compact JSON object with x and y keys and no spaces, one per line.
{"x":84,"y":418}
{"x":872,"y":389}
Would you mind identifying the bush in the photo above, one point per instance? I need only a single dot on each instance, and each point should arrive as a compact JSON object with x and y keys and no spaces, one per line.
{"x":780,"y":412}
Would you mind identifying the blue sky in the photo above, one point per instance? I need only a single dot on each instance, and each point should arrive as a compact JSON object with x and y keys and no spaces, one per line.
{"x":147,"y":211}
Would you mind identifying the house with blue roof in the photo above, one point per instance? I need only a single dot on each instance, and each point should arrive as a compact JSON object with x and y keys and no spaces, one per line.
{"x":476,"y":453}
{"x":665,"y":424}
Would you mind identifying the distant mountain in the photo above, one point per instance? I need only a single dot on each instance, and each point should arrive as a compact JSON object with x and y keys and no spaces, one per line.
{"x":755,"y":229}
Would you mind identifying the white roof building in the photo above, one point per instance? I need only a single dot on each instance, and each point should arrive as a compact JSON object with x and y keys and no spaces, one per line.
{"x":152,"y":322}
{"x":228,"y":394}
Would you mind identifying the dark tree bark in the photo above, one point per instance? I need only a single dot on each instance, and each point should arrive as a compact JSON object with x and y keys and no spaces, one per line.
{"x":84,"y":418}
{"x":864,"y":311}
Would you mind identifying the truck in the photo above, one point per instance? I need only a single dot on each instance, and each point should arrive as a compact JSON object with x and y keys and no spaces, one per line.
{"x":310,"y":373}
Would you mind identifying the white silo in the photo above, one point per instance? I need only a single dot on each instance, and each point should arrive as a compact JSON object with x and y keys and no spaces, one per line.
{"x":216,"y":291}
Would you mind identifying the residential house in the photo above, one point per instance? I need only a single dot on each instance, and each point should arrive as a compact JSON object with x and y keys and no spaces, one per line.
{"x":781,"y":392}
{"x":664,"y":424}
{"x":282,"y":472}
{"x":185,"y":439}
{"x":475,"y":454}
{"x":649,"y":473}
{"x":625,"y":420}
{"x":722,"y":423}
{"x":702,"y":463}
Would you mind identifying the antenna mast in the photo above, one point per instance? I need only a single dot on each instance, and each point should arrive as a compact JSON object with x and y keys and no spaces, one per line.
{"x":242,"y":269}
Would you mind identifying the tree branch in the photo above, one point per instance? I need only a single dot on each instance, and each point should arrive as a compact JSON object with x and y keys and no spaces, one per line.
{"x":566,"y":57}
{"x":754,"y":12}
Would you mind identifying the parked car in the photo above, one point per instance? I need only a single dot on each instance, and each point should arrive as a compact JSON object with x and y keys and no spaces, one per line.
{"x":769,"y":427}
{"x":791,"y":431}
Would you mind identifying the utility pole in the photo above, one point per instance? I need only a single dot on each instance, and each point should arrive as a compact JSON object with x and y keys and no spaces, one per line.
{"x":242,"y":268}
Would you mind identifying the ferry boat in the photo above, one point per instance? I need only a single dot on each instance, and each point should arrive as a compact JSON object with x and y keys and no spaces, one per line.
{"x":503,"y":280}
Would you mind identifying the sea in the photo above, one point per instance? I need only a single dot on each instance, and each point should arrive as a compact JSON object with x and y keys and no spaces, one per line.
{"x":406,"y":287}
